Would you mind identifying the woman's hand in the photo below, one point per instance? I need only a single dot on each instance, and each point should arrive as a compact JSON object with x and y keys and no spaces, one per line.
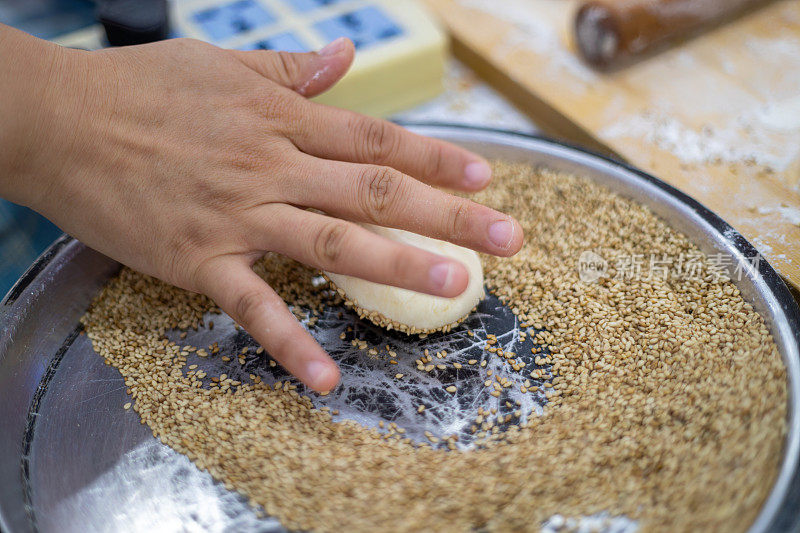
{"x":189,"y":162}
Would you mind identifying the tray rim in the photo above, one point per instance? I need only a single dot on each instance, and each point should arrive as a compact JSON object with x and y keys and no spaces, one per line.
{"x":787,"y":306}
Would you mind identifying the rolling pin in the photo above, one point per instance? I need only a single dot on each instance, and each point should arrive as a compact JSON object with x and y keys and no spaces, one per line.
{"x":611,"y":32}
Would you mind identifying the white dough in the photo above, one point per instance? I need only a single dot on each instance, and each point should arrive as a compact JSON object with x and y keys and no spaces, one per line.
{"x":410,"y":311}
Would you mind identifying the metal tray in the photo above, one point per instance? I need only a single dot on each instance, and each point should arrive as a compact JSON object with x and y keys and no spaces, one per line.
{"x":71,"y":459}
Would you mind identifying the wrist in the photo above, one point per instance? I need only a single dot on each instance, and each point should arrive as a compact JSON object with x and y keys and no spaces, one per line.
{"x":39,"y":87}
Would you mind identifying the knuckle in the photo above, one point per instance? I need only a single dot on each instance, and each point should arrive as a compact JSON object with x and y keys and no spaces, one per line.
{"x":329,"y":242}
{"x":457,"y":219}
{"x":288,"y":67}
{"x":403,"y":264}
{"x":192,"y":238}
{"x":272,"y":105}
{"x":187,"y":42}
{"x":201,"y":273}
{"x":257,"y":103}
{"x":211,"y":192}
{"x":281,"y":107}
{"x":247,"y":157}
{"x":435,"y":160}
{"x":181,"y":265}
{"x":281,"y":347}
{"x":378,"y":143}
{"x":247,"y":307}
{"x":380,"y":191}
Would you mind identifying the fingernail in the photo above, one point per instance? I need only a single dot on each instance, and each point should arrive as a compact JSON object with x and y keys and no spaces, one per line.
{"x":333,"y":48}
{"x":318,"y":374}
{"x":477,"y":174}
{"x":501,"y":233}
{"x":441,"y":275}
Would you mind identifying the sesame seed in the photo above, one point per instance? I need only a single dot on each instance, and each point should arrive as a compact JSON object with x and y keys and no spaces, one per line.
{"x":684,"y":369}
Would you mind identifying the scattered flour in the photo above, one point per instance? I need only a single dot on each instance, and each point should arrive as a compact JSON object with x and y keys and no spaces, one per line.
{"x":737,"y":142}
{"x":783,"y":115}
{"x":590,"y":524}
{"x":776,"y":48}
{"x":791,"y":214}
{"x":537,"y":33}
{"x":765,"y":249}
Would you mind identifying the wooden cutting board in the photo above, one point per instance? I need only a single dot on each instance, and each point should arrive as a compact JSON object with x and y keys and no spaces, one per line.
{"x":718,"y":117}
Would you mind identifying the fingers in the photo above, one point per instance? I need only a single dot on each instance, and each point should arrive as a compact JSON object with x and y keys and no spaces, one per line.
{"x":232,"y":284}
{"x":307,"y":74}
{"x":386,"y":197}
{"x":331,"y":133}
{"x":345,"y":248}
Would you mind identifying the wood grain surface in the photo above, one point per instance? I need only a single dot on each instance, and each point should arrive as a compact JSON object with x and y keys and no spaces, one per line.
{"x":718,"y":116}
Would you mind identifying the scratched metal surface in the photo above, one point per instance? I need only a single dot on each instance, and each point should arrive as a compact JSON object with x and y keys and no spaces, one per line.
{"x":74,"y":460}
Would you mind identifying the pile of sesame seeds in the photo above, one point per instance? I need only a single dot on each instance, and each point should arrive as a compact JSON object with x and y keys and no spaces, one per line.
{"x":666,"y":396}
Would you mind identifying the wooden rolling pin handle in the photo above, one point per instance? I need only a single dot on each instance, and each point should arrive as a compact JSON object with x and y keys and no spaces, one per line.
{"x":609,"y":32}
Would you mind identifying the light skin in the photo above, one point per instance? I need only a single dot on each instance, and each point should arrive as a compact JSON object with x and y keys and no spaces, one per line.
{"x":189,"y":162}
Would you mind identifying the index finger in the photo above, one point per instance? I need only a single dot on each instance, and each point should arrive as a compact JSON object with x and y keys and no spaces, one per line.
{"x":333,"y":133}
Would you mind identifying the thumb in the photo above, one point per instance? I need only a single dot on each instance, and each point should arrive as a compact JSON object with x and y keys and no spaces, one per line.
{"x":308,"y":74}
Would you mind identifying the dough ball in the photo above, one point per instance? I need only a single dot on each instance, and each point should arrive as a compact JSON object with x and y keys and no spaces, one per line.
{"x":409,"y":311}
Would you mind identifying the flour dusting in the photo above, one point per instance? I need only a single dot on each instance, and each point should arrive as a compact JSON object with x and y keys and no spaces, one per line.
{"x":791,"y":214}
{"x":783,"y":115}
{"x":739,"y":141}
{"x":535,"y":32}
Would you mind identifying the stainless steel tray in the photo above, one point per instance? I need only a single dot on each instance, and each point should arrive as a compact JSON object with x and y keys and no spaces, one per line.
{"x":71,"y":459}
